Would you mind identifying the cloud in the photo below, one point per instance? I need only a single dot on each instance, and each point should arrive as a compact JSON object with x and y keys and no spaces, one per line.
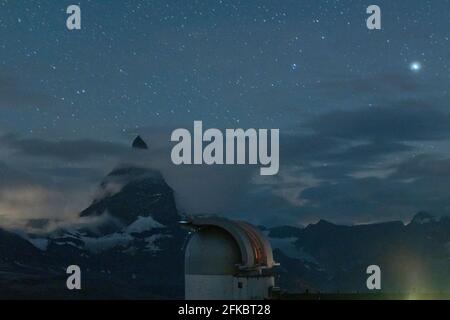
{"x":407,"y":121}
{"x":62,"y":176}
{"x":198,"y":189}
{"x":42,"y":179}
{"x":412,"y":184}
{"x":381,"y":84}
{"x":26,"y":196}
{"x":13,"y":95}
{"x":423,"y":166}
{"x":9,"y":176}
{"x":66,"y":150}
{"x":329,"y":169}
{"x":376,"y":199}
{"x":306,"y":148}
{"x":357,"y":166}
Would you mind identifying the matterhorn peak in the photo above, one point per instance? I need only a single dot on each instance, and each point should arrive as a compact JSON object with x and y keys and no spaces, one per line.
{"x":139,"y":143}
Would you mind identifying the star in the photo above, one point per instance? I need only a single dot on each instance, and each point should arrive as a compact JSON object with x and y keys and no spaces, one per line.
{"x":415,"y":66}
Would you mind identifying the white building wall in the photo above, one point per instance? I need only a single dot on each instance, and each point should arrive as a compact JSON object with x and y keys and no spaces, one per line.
{"x":252,"y":288}
{"x":227,"y":287}
{"x":208,"y":287}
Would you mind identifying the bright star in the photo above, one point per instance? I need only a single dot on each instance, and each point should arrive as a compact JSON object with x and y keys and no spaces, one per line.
{"x":415,"y":66}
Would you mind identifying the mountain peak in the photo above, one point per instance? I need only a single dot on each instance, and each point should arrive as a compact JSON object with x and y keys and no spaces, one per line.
{"x":323,"y":222}
{"x":139,"y":143}
{"x":322,"y":225}
{"x":129,"y":192}
{"x":423,"y":217}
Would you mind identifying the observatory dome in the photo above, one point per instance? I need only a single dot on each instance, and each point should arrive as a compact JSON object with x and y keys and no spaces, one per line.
{"x":222,"y":246}
{"x":227,"y":259}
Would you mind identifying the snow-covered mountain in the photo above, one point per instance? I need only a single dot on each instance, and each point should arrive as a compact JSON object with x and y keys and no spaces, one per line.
{"x":131,"y":246}
{"x":329,"y":257}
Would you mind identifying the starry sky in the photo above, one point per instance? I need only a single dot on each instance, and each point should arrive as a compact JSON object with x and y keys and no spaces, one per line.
{"x":363,"y":114}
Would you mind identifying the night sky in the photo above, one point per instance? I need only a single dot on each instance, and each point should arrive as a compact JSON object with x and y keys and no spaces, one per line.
{"x":363,"y":115}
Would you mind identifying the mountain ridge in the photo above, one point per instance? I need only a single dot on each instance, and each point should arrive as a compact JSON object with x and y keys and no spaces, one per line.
{"x":133,"y":248}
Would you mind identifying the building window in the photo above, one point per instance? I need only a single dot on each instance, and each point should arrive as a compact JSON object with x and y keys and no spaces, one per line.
{"x":240,"y":285}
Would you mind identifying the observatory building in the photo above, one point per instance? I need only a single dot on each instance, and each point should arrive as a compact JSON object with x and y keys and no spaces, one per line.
{"x":227,"y":260}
